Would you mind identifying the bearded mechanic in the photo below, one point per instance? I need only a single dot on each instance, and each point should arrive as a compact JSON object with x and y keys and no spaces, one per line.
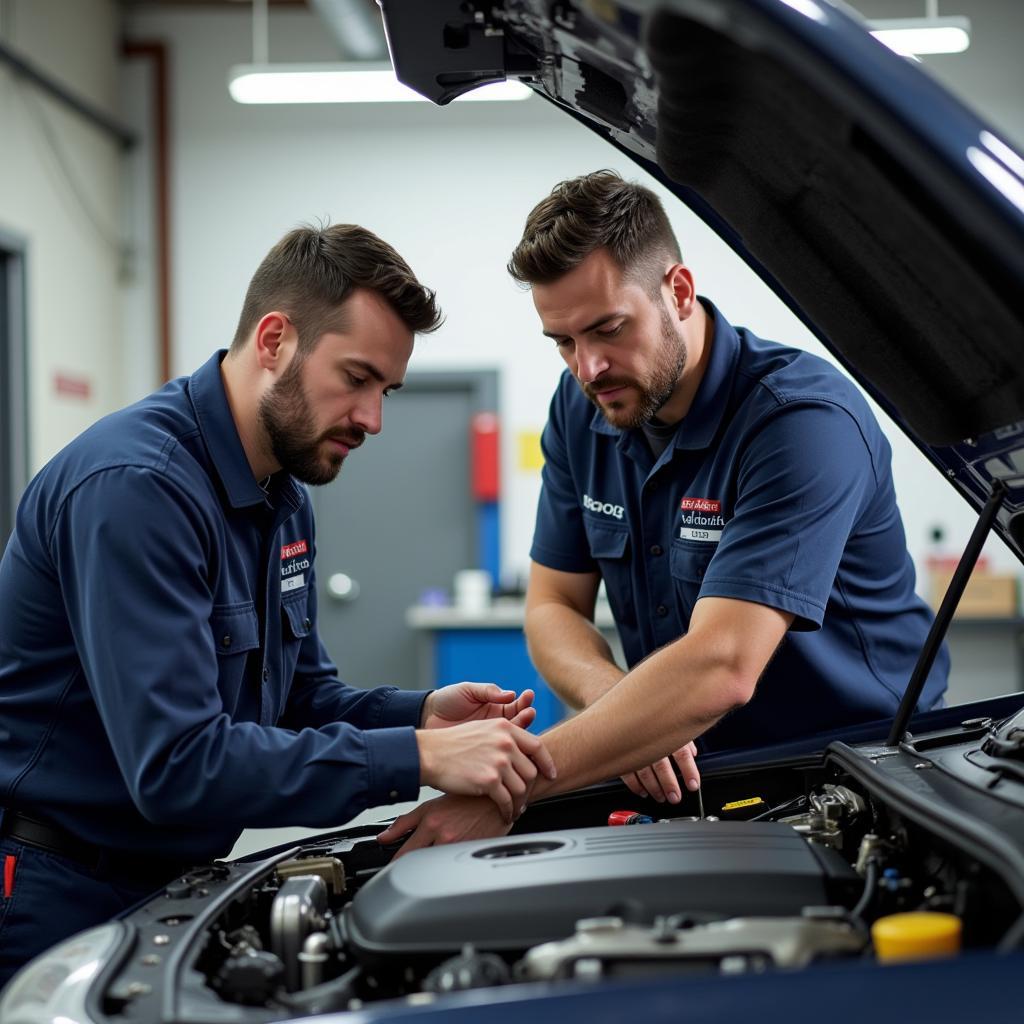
{"x":736,"y":497}
{"x":162,"y":683}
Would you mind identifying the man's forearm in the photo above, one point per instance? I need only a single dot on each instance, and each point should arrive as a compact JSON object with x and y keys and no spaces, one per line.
{"x":667,"y":700}
{"x":570,"y":653}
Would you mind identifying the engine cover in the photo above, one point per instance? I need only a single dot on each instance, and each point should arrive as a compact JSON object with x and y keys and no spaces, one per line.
{"x":514,"y":892}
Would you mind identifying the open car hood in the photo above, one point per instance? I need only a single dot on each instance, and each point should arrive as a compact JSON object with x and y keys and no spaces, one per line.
{"x":885,"y":214}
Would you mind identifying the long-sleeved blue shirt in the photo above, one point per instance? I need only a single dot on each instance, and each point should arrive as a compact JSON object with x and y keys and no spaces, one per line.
{"x":162,"y":683}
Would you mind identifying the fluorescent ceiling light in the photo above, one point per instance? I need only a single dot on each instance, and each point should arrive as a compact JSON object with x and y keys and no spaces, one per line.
{"x":913,"y":36}
{"x":998,"y":175}
{"x":341,"y":83}
{"x":1012,"y":159}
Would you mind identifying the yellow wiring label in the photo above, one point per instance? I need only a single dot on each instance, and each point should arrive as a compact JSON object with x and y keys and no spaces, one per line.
{"x":751,"y":802}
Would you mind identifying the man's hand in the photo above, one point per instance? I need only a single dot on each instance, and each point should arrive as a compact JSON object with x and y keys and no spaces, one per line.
{"x":475,"y":702}
{"x":491,"y":758}
{"x":659,"y":780}
{"x":446,"y":819}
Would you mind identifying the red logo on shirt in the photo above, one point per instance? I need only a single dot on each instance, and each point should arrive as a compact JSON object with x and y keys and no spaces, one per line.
{"x":300,"y":547}
{"x":700,"y":505}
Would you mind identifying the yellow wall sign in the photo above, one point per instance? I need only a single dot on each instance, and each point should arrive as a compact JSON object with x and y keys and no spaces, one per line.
{"x":531,"y":459}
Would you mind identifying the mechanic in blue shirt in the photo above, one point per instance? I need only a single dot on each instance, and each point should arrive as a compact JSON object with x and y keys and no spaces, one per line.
{"x":162,"y":683}
{"x":734,"y":495}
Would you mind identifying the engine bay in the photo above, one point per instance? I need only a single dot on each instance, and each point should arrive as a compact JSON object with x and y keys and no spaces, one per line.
{"x":800,"y":865}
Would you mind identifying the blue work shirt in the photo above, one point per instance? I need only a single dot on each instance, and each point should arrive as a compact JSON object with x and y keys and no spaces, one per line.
{"x":162,"y":683}
{"x":776,"y":489}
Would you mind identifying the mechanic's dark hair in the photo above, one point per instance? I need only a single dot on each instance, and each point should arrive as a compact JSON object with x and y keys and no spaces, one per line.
{"x":313,"y":270}
{"x":594,"y":211}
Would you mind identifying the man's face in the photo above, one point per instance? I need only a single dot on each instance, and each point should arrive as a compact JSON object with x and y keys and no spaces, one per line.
{"x":623,"y":345}
{"x":324,"y":404}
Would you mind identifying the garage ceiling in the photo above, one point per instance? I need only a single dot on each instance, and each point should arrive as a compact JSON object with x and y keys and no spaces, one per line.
{"x":356,"y":25}
{"x":209,"y":3}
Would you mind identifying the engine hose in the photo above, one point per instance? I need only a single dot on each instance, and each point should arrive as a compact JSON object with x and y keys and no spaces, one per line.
{"x":870,"y":886}
{"x":326,"y":998}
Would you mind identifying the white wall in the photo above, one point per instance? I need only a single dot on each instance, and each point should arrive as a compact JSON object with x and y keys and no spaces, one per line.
{"x":60,"y":192}
{"x":450,"y":188}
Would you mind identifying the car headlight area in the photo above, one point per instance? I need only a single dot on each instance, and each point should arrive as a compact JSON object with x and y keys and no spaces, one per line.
{"x":54,"y":986}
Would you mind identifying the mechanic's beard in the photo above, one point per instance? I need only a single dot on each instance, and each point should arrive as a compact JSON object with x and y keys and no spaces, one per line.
{"x":652,"y":393}
{"x":285,"y":412}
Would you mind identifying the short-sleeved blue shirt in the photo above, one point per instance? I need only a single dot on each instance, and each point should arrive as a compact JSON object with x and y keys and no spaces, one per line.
{"x":777,"y":489}
{"x":162,"y":683}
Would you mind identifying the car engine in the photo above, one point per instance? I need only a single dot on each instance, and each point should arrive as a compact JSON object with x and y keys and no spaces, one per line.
{"x":785,"y":880}
{"x":708,"y":895}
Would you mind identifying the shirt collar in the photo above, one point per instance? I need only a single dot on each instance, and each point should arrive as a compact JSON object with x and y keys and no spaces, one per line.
{"x":220,"y":435}
{"x":698,"y":427}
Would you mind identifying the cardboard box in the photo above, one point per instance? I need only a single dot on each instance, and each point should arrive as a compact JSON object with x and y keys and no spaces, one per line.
{"x":988,"y":595}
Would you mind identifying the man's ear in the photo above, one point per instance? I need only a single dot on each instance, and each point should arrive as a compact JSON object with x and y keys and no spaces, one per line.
{"x":679,"y":282}
{"x":274,"y":341}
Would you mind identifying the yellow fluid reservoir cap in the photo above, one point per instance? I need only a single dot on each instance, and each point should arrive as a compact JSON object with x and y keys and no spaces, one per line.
{"x":916,"y":936}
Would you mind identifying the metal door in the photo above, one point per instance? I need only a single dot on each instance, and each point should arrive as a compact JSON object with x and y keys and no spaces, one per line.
{"x":398,"y":520}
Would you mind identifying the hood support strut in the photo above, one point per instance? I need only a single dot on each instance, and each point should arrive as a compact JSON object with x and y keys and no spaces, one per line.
{"x":945,"y":614}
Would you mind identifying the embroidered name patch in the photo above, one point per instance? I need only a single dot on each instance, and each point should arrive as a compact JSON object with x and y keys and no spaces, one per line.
{"x":701,"y":519}
{"x":294,"y":565}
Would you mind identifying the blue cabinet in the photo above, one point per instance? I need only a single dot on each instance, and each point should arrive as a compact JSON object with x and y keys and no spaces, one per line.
{"x":487,"y":645}
{"x":494,"y":655}
{"x":483,"y":645}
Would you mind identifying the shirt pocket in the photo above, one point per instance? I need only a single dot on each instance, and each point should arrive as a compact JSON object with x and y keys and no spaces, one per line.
{"x":688,"y":564}
{"x":295,"y":612}
{"x":236,"y":633}
{"x":610,"y":548}
{"x":296,"y":625}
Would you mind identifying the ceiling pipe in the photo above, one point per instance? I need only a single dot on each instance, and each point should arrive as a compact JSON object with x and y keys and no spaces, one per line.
{"x":357,"y":29}
{"x":69,"y":98}
{"x":156,"y":54}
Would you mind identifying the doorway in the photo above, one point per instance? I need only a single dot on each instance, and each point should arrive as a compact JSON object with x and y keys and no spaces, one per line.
{"x":399,"y":520}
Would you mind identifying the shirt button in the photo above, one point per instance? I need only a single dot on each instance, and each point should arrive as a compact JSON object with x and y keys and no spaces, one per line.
{"x":225,"y":640}
{"x":393,"y":795}
{"x":661,"y":611}
{"x":655,"y":549}
{"x":266,"y":674}
{"x":306,"y":623}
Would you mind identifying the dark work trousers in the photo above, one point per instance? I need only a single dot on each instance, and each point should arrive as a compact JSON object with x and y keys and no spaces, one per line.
{"x":45,"y":898}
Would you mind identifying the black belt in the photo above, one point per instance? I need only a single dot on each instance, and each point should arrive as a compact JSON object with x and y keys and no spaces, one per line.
{"x":117,"y":865}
